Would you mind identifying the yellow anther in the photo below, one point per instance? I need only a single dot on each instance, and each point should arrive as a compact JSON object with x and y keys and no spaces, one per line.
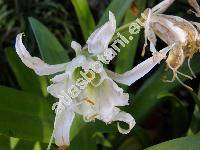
{"x":89,"y":100}
{"x":93,"y":117}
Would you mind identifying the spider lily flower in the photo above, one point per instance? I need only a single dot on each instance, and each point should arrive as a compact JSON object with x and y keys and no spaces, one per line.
{"x":84,"y":87}
{"x":91,"y":102}
{"x":172,"y":29}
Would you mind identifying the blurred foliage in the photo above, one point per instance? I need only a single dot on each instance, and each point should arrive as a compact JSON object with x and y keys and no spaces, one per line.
{"x":163,"y":111}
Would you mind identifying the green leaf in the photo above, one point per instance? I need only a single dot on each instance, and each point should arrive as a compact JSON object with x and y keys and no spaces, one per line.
{"x":51,"y":50}
{"x":99,"y":126}
{"x":146,"y":98}
{"x":184,"y":143}
{"x":139,"y":139}
{"x":26,"y":77}
{"x":142,"y":135}
{"x":177,"y":110}
{"x":22,"y":144}
{"x":103,"y":140}
{"x":4,"y":142}
{"x":24,"y":115}
{"x":118,"y":7}
{"x":130,"y":144}
{"x":77,"y":125}
{"x":85,"y":17}
{"x":195,"y":122}
{"x":13,"y":142}
{"x":126,"y":56}
{"x":196,"y":98}
{"x":84,"y":140}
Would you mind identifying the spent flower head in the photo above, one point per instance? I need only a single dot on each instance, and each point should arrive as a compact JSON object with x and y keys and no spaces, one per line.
{"x":172,"y":29}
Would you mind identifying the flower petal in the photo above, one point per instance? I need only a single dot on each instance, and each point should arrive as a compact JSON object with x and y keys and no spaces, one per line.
{"x":140,"y":70}
{"x":56,"y":88}
{"x":106,"y":96}
{"x":124,"y":117}
{"x":76,"y":62}
{"x":62,"y":127}
{"x":59,"y":78}
{"x":77,"y":47}
{"x":35,"y":63}
{"x":148,"y":32}
{"x":99,"y":39}
{"x":162,"y":6}
{"x":196,"y":6}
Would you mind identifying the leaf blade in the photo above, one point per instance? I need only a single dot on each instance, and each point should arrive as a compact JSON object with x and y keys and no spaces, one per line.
{"x":125,"y":58}
{"x":52,"y":51}
{"x":118,"y":7}
{"x":184,"y":143}
{"x":21,"y":107}
{"x":26,"y":78}
{"x":85,"y":17}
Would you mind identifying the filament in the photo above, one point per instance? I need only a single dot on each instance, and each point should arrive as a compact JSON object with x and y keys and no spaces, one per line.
{"x":184,"y":75}
{"x":183,"y":84}
{"x":191,"y":68}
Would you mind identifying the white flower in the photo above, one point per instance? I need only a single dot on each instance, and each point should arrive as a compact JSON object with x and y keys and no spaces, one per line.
{"x":172,"y":29}
{"x":92,"y":102}
{"x":87,"y":89}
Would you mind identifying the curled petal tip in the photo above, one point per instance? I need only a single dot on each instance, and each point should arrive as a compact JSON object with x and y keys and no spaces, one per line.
{"x":127,"y":118}
{"x":35,"y":63}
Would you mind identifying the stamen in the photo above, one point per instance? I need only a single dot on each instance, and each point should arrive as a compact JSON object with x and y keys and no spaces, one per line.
{"x":191,"y":68}
{"x":88,"y":100}
{"x":173,"y":78}
{"x":184,"y":75}
{"x":83,"y":101}
{"x":186,"y":86}
{"x":93,"y":117}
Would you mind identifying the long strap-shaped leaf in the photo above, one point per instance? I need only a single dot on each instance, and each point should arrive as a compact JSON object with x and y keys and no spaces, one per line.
{"x":25,"y":115}
{"x":118,"y":7}
{"x":85,"y":17}
{"x":51,"y":50}
{"x":26,"y":78}
{"x":185,"y":143}
{"x":126,"y":56}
